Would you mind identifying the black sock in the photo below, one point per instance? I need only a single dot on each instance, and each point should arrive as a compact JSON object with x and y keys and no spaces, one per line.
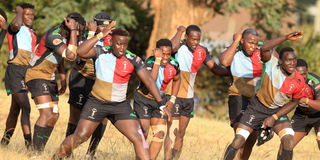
{"x":95,"y":139}
{"x":27,"y":140}
{"x":230,"y":153}
{"x":285,"y":155}
{"x":41,"y":136}
{"x":6,"y":137}
{"x":71,"y":128}
{"x":176,"y":154}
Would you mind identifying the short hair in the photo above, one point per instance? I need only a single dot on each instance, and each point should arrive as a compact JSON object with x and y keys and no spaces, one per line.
{"x":3,"y":14}
{"x":164,"y":42}
{"x":302,"y":63}
{"x":26,"y":5}
{"x":249,"y":31}
{"x":191,"y":28}
{"x":119,"y":32}
{"x":283,"y":50}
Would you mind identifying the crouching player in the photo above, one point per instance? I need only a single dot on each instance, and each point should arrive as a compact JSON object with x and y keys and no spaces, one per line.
{"x":163,"y":69}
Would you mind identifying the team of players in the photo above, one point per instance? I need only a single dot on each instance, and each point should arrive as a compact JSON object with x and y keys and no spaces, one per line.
{"x":266,"y":86}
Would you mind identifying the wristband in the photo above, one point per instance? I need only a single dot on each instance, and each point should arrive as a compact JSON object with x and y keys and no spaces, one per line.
{"x":73,"y":29}
{"x":275,"y":116}
{"x":100,"y":35}
{"x":91,"y":34}
{"x":307,"y":101}
{"x":72,"y":48}
{"x":158,"y":60}
{"x":173,"y":99}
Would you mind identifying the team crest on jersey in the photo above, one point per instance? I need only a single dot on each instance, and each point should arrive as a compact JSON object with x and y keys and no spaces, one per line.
{"x":200,"y":57}
{"x":170,"y":72}
{"x":125,"y":66}
{"x":56,"y":41}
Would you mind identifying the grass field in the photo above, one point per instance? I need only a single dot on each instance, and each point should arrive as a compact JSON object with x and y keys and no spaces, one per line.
{"x":205,"y":139}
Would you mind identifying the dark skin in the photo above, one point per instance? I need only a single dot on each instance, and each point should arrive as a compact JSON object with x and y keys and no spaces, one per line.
{"x":176,"y":38}
{"x":314,"y":103}
{"x":192,"y":41}
{"x":20,"y":100}
{"x":165,"y":53}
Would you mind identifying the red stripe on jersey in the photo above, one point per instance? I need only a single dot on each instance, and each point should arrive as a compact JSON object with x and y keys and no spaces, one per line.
{"x":256,"y":63}
{"x":41,"y":47}
{"x":293,"y":86}
{"x":107,"y":40}
{"x":33,"y":41}
{"x":122,"y":71}
{"x":10,"y":39}
{"x":169,"y":72}
{"x":198,"y":57}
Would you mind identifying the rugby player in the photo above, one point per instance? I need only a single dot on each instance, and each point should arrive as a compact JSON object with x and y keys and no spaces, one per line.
{"x":243,"y":60}
{"x":190,"y":56}
{"x":81,"y":80}
{"x":113,"y":68}
{"x":163,"y":69}
{"x":307,"y":114}
{"x":22,"y":42}
{"x":3,"y":26}
{"x":280,"y":90}
{"x":40,"y":77}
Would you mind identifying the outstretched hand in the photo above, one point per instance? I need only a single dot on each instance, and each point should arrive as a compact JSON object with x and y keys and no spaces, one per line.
{"x":110,"y":27}
{"x":268,"y":122}
{"x":157,"y":52}
{"x":295,"y":35}
{"x":92,"y":26}
{"x":181,"y":28}
{"x":165,"y":111}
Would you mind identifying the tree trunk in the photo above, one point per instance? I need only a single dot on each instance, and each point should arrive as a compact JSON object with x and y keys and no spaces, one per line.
{"x":170,"y":14}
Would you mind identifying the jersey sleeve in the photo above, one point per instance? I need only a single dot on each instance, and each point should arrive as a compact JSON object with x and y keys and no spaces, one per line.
{"x":99,"y":50}
{"x":53,"y":42}
{"x":138,"y":64}
{"x":208,"y":57}
{"x":175,"y":64}
{"x":317,"y":92}
{"x":10,"y":30}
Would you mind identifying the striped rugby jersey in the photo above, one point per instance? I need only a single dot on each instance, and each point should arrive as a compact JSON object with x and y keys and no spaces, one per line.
{"x":189,"y":63}
{"x":312,"y":91}
{"x":277,"y":89}
{"x":165,"y":75}
{"x":21,"y":44}
{"x":246,"y":73}
{"x":113,"y":73}
{"x":45,"y":60}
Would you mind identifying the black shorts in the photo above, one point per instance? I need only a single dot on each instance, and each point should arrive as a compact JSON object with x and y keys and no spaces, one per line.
{"x":144,"y":107}
{"x":15,"y":79}
{"x":256,"y":113}
{"x":40,"y":87}
{"x":79,"y":87}
{"x":96,"y":110}
{"x":182,"y":106}
{"x":237,"y":105}
{"x":303,"y":123}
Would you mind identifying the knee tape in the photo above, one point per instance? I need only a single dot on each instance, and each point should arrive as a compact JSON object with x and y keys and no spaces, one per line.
{"x":286,"y":131}
{"x":172,"y":136}
{"x":43,"y":105}
{"x":318,"y":136}
{"x":156,"y":129}
{"x":55,"y":108}
{"x":244,"y":133}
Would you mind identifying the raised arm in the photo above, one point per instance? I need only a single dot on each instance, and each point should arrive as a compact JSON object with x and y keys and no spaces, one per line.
{"x":176,"y":38}
{"x":86,"y":50}
{"x":267,"y":46}
{"x":175,"y":89}
{"x":216,"y":69}
{"x":226,"y":56}
{"x":155,"y":69}
{"x":17,"y":20}
{"x":146,"y":78}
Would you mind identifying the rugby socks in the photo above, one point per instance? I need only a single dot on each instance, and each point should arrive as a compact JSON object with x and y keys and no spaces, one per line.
{"x":6,"y":136}
{"x":71,"y":128}
{"x":285,"y":155}
{"x":176,"y":154}
{"x":27,"y":140}
{"x":230,"y":153}
{"x":41,"y":136}
{"x":95,"y":139}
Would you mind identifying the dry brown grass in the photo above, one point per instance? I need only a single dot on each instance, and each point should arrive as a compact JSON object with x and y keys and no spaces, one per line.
{"x":205,"y":139}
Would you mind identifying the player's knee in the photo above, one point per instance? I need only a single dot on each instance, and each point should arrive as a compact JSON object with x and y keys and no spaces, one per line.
{"x":240,"y":138}
{"x":81,"y":136}
{"x":158,"y":132}
{"x":286,"y":136}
